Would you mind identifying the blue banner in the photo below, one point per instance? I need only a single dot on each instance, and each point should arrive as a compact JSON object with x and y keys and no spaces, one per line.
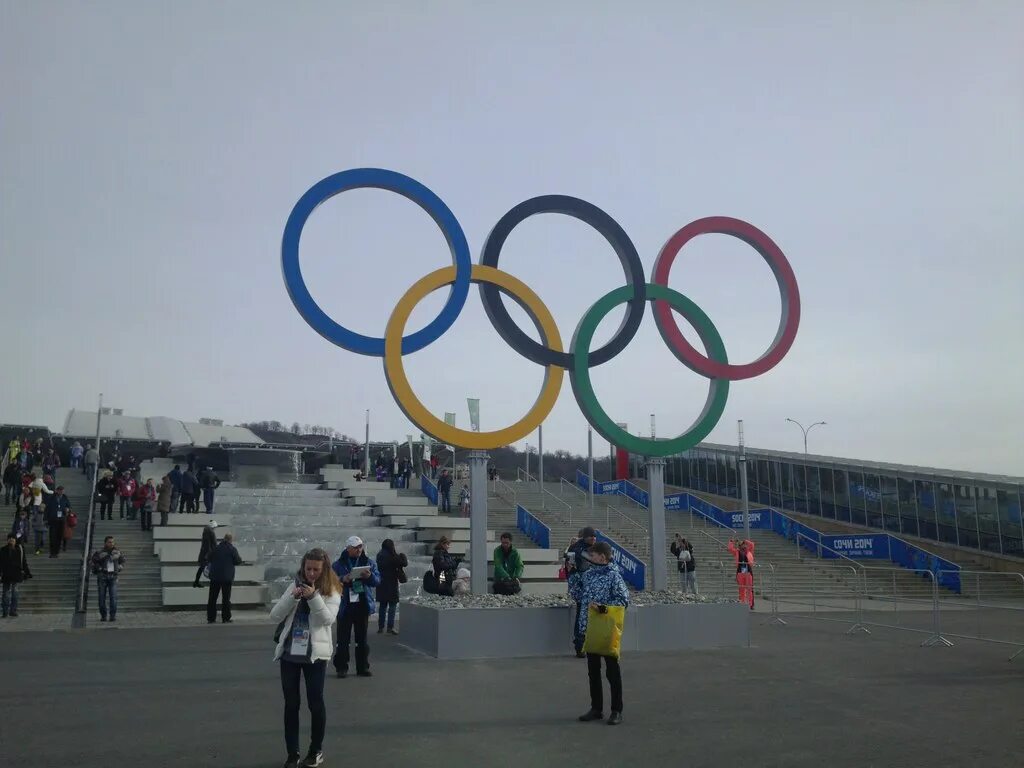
{"x":633,"y":569}
{"x":533,"y":528}
{"x":638,"y":495}
{"x":946,"y":572}
{"x":868,"y":546}
{"x":613,"y":486}
{"x":429,"y":489}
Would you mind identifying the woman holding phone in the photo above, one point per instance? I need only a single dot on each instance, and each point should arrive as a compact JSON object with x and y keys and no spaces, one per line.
{"x":305,"y":614}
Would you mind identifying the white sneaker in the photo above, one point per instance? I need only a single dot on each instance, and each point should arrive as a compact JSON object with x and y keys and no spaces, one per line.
{"x":313,"y":760}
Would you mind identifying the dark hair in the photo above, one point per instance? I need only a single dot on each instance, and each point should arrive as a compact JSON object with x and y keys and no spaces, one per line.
{"x":388,"y":545}
{"x":107,"y":538}
{"x":602,"y":548}
{"x":506,"y":535}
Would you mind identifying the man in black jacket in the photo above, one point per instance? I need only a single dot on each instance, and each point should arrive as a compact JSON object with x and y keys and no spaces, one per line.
{"x":13,"y":571}
{"x":209,"y":482}
{"x":106,"y":491}
{"x":57,"y":508}
{"x":189,"y":486}
{"x":444,"y":491}
{"x":222,"y":575}
{"x":12,"y":483}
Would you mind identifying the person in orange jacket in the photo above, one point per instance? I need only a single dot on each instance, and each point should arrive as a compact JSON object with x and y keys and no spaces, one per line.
{"x":743,"y":552}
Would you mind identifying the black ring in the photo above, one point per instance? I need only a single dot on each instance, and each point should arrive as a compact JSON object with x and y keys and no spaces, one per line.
{"x":611,"y":231}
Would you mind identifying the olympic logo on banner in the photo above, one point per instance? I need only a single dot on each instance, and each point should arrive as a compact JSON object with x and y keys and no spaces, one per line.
{"x":550,"y":352}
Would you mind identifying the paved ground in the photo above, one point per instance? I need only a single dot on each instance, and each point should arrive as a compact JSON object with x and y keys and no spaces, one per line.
{"x":804,"y":695}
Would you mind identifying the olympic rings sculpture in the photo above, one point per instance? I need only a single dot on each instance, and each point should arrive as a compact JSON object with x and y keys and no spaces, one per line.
{"x":550,"y":352}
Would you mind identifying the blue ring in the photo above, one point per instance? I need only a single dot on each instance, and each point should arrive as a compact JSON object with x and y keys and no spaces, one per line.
{"x":378,"y":178}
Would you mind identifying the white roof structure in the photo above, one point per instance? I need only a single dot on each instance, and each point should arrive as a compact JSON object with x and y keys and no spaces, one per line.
{"x":82,"y":424}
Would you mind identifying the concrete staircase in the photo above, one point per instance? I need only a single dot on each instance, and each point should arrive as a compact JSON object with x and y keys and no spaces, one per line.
{"x":55,"y":583}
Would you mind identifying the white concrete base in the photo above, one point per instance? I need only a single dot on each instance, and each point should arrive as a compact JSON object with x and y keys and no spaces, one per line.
{"x":184,"y":574}
{"x":188,"y":551}
{"x":193,"y":520}
{"x":182,"y":532}
{"x":241,"y":594}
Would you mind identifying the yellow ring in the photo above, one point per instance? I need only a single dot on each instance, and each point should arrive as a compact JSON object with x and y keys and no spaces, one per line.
{"x":417,"y":413}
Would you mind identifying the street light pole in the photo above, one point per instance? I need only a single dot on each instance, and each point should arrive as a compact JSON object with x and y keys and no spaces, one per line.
{"x":805,"y":431}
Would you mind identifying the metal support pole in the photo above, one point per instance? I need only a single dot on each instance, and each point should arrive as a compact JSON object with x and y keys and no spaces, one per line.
{"x":590,"y":466}
{"x":366,"y":467}
{"x":540,"y":463}
{"x":478,"y":521}
{"x":743,"y":485}
{"x":656,"y":505}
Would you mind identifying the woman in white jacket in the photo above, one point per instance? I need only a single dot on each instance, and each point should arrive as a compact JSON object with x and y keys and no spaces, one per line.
{"x":305,"y":614}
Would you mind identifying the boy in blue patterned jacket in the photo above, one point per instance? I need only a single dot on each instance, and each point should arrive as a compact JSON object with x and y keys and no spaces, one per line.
{"x":600,"y":586}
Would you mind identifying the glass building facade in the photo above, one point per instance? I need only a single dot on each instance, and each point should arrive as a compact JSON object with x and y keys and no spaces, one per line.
{"x":967,"y":509}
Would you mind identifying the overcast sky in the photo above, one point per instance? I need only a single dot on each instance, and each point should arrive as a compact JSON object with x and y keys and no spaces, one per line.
{"x":151,"y":152}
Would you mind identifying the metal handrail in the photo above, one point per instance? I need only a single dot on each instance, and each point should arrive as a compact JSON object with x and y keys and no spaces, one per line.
{"x":520,"y":472}
{"x":501,"y":485}
{"x":545,"y":492}
{"x":90,"y":525}
{"x":644,"y":542}
{"x":562,"y":482}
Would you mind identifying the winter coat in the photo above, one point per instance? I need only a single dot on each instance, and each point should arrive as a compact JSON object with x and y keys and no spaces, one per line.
{"x":388,"y":565}
{"x":444,"y":484}
{"x":342,"y":566}
{"x":163,"y":498}
{"x":13,"y":564}
{"x":208,"y":480}
{"x":22,"y":530}
{"x":57,"y":508}
{"x":140,"y":496}
{"x":687,"y":564}
{"x":175,"y":477}
{"x":106,"y":488}
{"x":748,"y":560}
{"x":99,"y":562}
{"x":209,"y":544}
{"x":444,"y":562}
{"x":92,"y":456}
{"x":576,"y":551}
{"x":322,"y":613}
{"x":189,"y":484}
{"x":507,"y":567}
{"x":126,"y":487}
{"x":223,"y":561}
{"x":38,"y":488}
{"x":600,"y":585}
{"x":12,"y":475}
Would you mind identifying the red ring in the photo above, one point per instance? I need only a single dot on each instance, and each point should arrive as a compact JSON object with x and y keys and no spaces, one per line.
{"x":788,"y":292}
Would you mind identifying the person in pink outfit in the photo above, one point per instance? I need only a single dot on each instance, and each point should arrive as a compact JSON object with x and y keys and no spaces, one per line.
{"x":743,"y":552}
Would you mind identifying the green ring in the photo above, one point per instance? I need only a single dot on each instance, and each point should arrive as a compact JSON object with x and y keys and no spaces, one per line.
{"x":583,"y":388}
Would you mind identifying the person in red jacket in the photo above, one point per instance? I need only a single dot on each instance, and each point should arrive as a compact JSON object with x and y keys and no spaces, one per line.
{"x":139,"y":498}
{"x":743,"y":552}
{"x":126,"y":487}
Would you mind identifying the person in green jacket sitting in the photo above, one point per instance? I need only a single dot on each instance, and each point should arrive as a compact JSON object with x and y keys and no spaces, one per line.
{"x":508,"y":567}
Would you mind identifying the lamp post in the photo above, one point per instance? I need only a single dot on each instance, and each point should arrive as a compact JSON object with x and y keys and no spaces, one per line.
{"x":805,"y":431}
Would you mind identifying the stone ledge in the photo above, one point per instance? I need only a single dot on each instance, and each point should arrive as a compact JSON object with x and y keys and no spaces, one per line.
{"x":452,"y":628}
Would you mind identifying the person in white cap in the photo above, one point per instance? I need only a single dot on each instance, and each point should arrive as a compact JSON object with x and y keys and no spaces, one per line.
{"x":359,"y":575}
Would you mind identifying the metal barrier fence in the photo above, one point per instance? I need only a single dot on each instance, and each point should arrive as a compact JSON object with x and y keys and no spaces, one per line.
{"x":874,"y":597}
